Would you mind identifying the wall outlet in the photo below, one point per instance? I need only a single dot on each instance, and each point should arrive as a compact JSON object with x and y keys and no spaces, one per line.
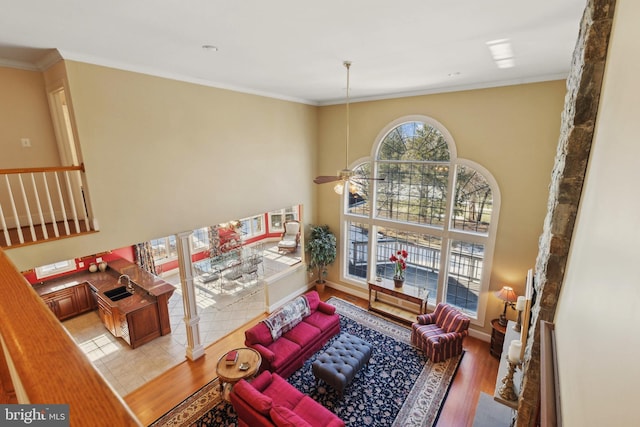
{"x":25,"y":142}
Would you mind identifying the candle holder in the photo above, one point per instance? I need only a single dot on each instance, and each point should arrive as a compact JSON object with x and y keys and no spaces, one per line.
{"x":506,"y":390}
{"x":520,"y":306}
{"x":518,"y":326}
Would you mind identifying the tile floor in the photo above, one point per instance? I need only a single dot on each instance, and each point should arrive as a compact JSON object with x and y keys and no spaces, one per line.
{"x":221,"y":311}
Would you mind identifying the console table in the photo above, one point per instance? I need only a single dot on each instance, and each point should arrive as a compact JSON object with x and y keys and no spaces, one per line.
{"x":415,"y":296}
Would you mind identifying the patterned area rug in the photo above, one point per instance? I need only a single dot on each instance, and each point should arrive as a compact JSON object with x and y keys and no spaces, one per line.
{"x":400,"y":387}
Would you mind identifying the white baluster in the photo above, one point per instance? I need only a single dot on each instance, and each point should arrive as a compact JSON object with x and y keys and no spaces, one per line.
{"x":62,"y":208}
{"x":72,"y":202}
{"x":14,"y":210}
{"x":27,"y":209}
{"x":43,"y":226}
{"x":51,"y":211}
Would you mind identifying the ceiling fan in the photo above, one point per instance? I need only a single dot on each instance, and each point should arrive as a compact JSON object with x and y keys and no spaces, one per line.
{"x":345,"y":174}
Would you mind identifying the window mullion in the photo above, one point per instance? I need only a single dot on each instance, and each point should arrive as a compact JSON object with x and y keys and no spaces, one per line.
{"x":443,"y":277}
{"x":417,"y":207}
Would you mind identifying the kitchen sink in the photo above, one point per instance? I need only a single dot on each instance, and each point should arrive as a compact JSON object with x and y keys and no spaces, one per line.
{"x":118,"y":293}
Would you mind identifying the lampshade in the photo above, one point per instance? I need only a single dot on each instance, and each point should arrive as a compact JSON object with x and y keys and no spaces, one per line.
{"x":339,"y":187}
{"x":506,"y":294}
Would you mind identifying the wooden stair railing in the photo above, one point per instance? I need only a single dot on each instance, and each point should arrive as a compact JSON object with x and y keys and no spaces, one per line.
{"x":44,"y":364}
{"x":38,"y":204}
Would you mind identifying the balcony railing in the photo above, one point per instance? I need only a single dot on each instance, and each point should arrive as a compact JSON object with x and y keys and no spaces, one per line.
{"x":41,"y":364}
{"x":38,"y":204}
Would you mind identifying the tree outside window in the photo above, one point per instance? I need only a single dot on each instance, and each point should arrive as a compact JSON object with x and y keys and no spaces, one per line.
{"x":437,"y":207}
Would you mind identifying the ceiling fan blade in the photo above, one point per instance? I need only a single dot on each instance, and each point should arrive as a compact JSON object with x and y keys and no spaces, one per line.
{"x":323,"y":179}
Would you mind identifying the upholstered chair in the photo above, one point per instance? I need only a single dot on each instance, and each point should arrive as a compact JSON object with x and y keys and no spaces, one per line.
{"x":439,"y":334}
{"x":290,"y":238}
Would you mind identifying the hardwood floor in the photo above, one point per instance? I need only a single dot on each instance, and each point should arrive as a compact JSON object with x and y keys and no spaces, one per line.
{"x":477,"y":373}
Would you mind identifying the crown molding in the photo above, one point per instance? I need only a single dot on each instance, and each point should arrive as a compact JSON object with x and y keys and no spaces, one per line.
{"x":20,"y":65}
{"x":449,"y":89}
{"x":48,"y":59}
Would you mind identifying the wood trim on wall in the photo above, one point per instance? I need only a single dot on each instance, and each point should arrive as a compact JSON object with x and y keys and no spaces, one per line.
{"x":550,"y":410}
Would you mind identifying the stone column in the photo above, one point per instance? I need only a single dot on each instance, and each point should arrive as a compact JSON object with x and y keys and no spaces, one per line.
{"x":194,"y":347}
{"x":576,"y":134}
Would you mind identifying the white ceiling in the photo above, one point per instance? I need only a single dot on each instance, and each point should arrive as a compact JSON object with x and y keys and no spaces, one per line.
{"x":294,"y":49}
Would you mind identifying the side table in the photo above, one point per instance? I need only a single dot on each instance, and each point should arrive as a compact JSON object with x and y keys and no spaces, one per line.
{"x":228,"y":375}
{"x":497,"y":338}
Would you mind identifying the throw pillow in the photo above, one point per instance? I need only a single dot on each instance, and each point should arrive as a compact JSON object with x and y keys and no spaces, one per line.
{"x":285,"y":417}
{"x":253,"y":397}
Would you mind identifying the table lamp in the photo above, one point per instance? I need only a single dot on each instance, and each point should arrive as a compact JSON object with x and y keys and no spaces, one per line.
{"x":509,"y":297}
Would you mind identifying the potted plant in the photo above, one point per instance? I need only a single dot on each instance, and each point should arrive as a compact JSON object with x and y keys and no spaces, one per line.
{"x":321,"y":247}
{"x":399,"y":259}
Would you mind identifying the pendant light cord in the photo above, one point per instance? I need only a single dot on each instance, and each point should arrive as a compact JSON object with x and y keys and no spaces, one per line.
{"x":347,"y":64}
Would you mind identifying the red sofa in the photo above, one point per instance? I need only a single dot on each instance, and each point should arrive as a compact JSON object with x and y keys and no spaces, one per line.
{"x":293,"y":333}
{"x":269,"y":400}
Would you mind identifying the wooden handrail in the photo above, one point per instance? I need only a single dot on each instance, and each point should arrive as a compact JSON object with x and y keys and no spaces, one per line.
{"x":46,"y":366}
{"x":42,"y":169}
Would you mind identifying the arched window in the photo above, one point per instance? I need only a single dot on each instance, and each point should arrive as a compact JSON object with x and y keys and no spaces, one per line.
{"x":442,"y":210}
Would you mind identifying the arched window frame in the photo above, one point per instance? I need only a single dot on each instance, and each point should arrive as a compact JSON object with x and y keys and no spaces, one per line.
{"x":447,"y":233}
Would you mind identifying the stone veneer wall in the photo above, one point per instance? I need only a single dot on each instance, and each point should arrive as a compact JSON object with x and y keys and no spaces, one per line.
{"x":576,"y":134}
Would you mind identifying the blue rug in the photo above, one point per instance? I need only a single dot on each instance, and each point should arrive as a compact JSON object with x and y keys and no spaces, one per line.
{"x":400,"y":387}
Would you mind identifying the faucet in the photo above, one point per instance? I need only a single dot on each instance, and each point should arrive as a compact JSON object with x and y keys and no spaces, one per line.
{"x":129,"y":285}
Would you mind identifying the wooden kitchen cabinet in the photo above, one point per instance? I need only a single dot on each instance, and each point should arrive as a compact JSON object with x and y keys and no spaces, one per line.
{"x":136,"y":327}
{"x":122,"y":324}
{"x":106,"y":316}
{"x":69,"y":302}
{"x":143,"y":325}
{"x":85,"y":301}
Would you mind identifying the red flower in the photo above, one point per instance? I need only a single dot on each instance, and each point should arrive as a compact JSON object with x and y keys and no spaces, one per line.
{"x":399,"y":258}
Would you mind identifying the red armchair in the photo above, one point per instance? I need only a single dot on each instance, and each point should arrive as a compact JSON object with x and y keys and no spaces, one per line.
{"x":440,"y":333}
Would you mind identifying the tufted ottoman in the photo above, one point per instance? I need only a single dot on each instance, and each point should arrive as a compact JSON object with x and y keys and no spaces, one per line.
{"x":341,"y":362}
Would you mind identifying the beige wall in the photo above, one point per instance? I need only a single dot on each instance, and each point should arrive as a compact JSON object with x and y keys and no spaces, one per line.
{"x":597,"y":312}
{"x":164,"y":156}
{"x":25,"y":114}
{"x":512,"y":131}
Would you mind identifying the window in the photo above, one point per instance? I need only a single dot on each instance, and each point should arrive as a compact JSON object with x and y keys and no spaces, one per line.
{"x":55,"y":268}
{"x":164,"y":249}
{"x":252,"y":226}
{"x":439,"y":208}
{"x":200,"y":239}
{"x":279,"y":217}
